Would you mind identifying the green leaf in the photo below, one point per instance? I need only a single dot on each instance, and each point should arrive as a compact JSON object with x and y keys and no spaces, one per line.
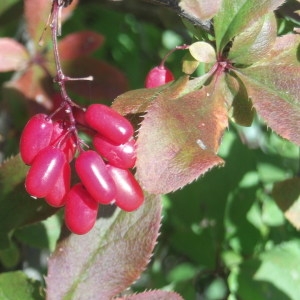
{"x":235,"y":16}
{"x":273,"y":86}
{"x":200,"y":9}
{"x":179,"y":138}
{"x":17,"y":286}
{"x":154,"y":295}
{"x":253,"y":43}
{"x":189,"y":64}
{"x":17,"y":208}
{"x":42,"y":235}
{"x":10,"y":257}
{"x":274,"y":276}
{"x":104,"y":262}
{"x":12,"y":173}
{"x":241,"y":111}
{"x":203,"y":52}
{"x":287,"y":196}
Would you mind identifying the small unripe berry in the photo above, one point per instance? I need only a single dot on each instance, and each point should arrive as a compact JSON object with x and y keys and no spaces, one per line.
{"x":129,"y":194}
{"x":45,"y":170}
{"x":121,"y":156}
{"x":36,"y":136}
{"x":158,"y":76}
{"x":80,"y":210}
{"x":92,"y":171}
{"x":109,"y":123}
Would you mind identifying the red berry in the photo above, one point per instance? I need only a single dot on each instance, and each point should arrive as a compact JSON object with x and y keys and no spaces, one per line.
{"x":44,"y":172}
{"x":92,"y":171}
{"x":109,"y":123}
{"x":158,"y":76}
{"x":35,"y":137}
{"x":56,"y":196}
{"x":80,"y":210}
{"x":66,"y":140}
{"x":121,"y":156}
{"x":129,"y":194}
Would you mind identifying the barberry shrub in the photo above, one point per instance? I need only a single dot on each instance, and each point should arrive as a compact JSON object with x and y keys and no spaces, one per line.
{"x":103,"y":155}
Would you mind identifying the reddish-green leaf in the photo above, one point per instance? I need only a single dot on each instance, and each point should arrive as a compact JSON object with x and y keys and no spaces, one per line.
{"x":236,"y":15}
{"x":108,"y":83}
{"x":153,"y":295}
{"x":138,"y":101}
{"x":13,"y":55}
{"x":37,"y":13}
{"x":104,"y":262}
{"x":273,"y":86}
{"x":34,"y":84}
{"x":79,"y":44}
{"x":179,"y":138}
{"x":200,"y":9}
{"x":36,"y":22}
{"x":287,"y":196}
{"x":253,"y":43}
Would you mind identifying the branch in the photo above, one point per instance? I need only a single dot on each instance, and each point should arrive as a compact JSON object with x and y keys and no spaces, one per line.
{"x":174,"y":6}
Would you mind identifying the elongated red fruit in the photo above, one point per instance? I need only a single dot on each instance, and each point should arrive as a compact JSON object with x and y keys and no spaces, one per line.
{"x":36,"y":136}
{"x":44,"y":172}
{"x":109,"y":123}
{"x":158,"y":76}
{"x":80,"y":210}
{"x":92,"y":171}
{"x":129,"y":194}
{"x":56,"y":196}
{"x":121,"y":156}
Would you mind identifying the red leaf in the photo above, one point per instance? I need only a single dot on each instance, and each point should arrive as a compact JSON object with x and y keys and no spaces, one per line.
{"x":153,"y":295}
{"x":13,"y":56}
{"x":104,"y":262}
{"x":179,"y":138}
{"x":108,"y":81}
{"x":273,"y":86}
{"x":78,"y":44}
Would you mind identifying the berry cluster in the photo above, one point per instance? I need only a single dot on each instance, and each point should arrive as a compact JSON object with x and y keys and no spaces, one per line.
{"x":49,"y":145}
